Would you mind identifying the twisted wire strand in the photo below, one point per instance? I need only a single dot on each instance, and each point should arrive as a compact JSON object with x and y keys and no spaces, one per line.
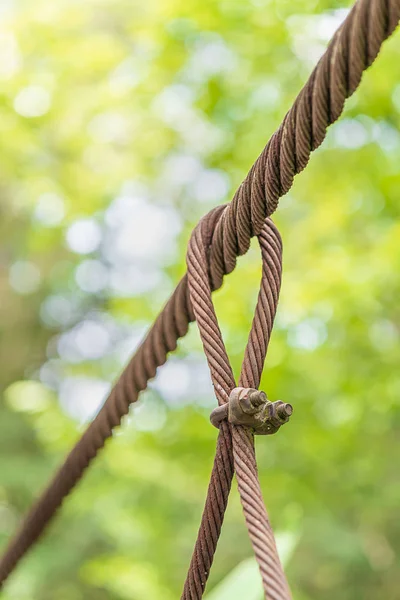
{"x":338,"y":73}
{"x":257,"y":521}
{"x":171,"y":324}
{"x":242,"y":451}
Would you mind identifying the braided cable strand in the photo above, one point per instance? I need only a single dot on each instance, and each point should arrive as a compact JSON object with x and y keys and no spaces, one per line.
{"x":171,"y":324}
{"x":244,"y":459}
{"x":260,"y":531}
{"x":261,"y":535}
{"x":338,"y":73}
{"x":223,"y":469}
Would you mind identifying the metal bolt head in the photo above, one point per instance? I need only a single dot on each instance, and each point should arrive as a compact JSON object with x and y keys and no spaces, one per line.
{"x":285,"y":411}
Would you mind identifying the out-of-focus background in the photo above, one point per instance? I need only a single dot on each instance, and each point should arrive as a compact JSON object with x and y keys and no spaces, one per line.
{"x":121,"y":123}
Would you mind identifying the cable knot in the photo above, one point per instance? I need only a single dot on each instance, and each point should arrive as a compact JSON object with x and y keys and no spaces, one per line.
{"x":251,"y":408}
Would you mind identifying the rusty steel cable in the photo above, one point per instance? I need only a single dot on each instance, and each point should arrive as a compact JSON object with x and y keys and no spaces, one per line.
{"x":338,"y":73}
{"x":238,"y":456}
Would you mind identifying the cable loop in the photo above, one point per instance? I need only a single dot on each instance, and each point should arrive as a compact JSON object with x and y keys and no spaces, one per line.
{"x":242,"y":410}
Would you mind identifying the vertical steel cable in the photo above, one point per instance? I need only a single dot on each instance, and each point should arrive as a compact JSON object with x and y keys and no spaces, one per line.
{"x":244,"y":460}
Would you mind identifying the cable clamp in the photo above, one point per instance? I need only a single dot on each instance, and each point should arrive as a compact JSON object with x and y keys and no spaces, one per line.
{"x":251,"y":408}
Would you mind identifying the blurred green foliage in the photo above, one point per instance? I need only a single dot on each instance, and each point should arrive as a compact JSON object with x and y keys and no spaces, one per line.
{"x":121,"y":123}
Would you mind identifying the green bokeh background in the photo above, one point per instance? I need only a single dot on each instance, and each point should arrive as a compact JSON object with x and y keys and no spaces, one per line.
{"x":118,"y":116}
